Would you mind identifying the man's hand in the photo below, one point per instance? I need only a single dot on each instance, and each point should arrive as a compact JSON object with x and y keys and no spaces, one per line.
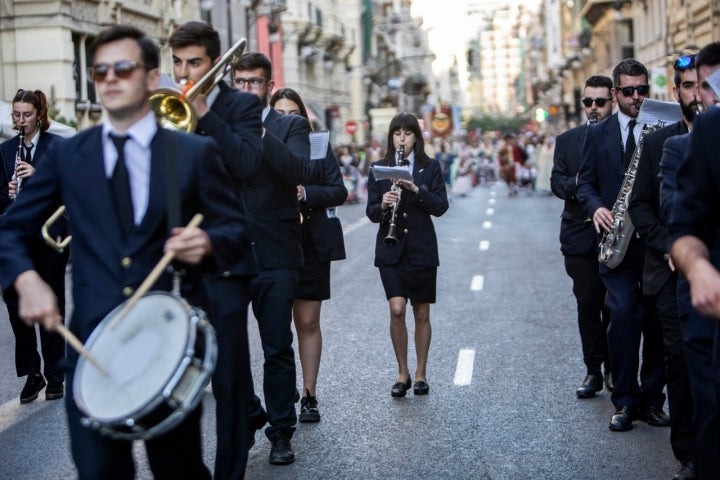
{"x":189,"y":244}
{"x":24,"y":170}
{"x":705,"y":288}
{"x":37,"y":301}
{"x":602,"y":219}
{"x":300,"y":193}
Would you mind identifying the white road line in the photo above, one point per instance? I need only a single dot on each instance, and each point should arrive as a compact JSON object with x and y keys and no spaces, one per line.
{"x":477,"y":283}
{"x":464,"y":369}
{"x":12,"y":413}
{"x":491,"y":201}
{"x":484,"y":245}
{"x":487,"y":224}
{"x":492,"y":193}
{"x":355,"y":225}
{"x":490,"y":212}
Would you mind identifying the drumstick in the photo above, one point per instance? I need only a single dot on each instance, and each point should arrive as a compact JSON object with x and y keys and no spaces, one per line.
{"x":152,"y":277}
{"x":78,"y":346}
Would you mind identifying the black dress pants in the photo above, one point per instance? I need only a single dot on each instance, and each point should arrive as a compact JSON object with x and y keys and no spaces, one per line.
{"x":593,"y":320}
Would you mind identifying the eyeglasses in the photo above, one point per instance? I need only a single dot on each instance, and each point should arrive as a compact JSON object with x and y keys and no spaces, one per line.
{"x":684,"y":62}
{"x":600,"y":102}
{"x":628,"y":91}
{"x":123,"y":69}
{"x":254,"y":82}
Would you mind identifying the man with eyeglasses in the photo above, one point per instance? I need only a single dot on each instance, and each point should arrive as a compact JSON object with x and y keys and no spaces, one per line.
{"x":112,"y":178}
{"x":578,"y":241}
{"x":607,"y":152}
{"x":659,"y":276}
{"x":233,"y":119}
{"x":698,"y":330}
{"x":270,"y":200}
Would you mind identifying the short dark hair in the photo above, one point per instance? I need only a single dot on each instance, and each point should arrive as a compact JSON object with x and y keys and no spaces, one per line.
{"x":630,"y":67}
{"x":599,"y":81}
{"x":405,"y":121}
{"x":148,"y":48}
{"x":677,"y":73}
{"x":200,"y":34}
{"x":709,"y":55}
{"x":253,"y":61}
{"x":37,"y":99}
{"x":291,"y":95}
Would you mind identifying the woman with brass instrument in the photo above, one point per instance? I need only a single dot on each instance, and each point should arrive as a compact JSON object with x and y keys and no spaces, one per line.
{"x":322,"y":242}
{"x":18,"y":157}
{"x":406,"y":249}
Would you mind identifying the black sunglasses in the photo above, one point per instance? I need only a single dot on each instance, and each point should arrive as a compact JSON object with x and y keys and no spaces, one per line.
{"x":684,"y":62}
{"x":123,"y":69}
{"x":628,"y":91}
{"x":600,"y":102}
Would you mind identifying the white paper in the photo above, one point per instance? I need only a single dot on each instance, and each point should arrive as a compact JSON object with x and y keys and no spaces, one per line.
{"x":392,"y":173}
{"x":654,"y":112}
{"x":319,"y":142}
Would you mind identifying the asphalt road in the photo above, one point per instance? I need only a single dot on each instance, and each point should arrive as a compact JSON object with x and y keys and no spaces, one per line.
{"x":504,"y":364}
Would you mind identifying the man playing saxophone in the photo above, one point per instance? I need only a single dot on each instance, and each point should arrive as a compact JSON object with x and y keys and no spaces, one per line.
{"x":608,"y":149}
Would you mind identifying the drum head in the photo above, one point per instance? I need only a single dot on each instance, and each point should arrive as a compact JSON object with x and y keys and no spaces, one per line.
{"x":140,"y":352}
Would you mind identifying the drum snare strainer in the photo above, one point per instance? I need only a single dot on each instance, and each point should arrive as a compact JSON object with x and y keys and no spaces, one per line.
{"x":159,"y":358}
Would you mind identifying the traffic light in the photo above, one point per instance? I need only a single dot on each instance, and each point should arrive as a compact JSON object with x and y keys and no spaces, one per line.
{"x":541,"y":115}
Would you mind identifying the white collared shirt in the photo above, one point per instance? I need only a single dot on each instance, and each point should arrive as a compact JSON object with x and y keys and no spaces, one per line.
{"x":625,"y":128}
{"x":34,"y":142}
{"x":137,"y":159}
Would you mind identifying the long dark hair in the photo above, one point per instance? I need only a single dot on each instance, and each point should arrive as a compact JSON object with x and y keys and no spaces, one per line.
{"x":37,"y":99}
{"x":404,"y":121}
{"x":291,"y":95}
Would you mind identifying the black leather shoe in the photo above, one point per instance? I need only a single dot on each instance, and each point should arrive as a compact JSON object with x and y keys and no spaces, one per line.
{"x":609,"y":385}
{"x":686,"y":472}
{"x":33,"y":386}
{"x":309,"y":412}
{"x":54,"y":391}
{"x":281,"y":452}
{"x":590,"y":386}
{"x":421,"y":388}
{"x":400,"y":389}
{"x":654,"y":416}
{"x":622,"y":420}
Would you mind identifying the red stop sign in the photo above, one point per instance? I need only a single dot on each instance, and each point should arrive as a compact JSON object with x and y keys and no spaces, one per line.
{"x":351,"y":127}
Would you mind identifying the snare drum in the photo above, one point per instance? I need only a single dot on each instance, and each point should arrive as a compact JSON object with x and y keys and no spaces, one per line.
{"x":159,"y":359}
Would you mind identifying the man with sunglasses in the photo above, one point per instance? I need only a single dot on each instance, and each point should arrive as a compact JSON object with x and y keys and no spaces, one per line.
{"x":607,"y":152}
{"x":112,"y":180}
{"x":233,"y":119}
{"x":578,"y":242}
{"x":698,"y":331}
{"x":270,"y":201}
{"x":659,"y":277}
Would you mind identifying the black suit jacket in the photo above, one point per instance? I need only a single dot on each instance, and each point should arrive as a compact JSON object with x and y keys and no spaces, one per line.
{"x":324,"y":188}
{"x":105,"y":268}
{"x":414,"y":226}
{"x":270,"y":196}
{"x":577,"y":234}
{"x":644,"y":207}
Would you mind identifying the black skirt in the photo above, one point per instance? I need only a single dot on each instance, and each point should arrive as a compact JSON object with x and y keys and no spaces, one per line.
{"x":412,"y":282}
{"x":314,"y":281}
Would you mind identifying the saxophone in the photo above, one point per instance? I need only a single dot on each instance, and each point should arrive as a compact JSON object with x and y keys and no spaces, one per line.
{"x":615,"y":242}
{"x":18,"y":159}
{"x":391,"y":238}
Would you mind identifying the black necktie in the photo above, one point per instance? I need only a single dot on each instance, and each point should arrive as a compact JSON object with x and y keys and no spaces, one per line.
{"x":28,"y":153}
{"x":120,"y":185}
{"x":630,"y":143}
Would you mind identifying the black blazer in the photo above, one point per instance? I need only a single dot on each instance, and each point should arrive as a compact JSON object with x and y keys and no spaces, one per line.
{"x":601,"y":169}
{"x":414,"y":227}
{"x":106,"y":269}
{"x":644,"y":207}
{"x":577,"y":234}
{"x":235,"y":123}
{"x":324,"y":188}
{"x":270,"y":196}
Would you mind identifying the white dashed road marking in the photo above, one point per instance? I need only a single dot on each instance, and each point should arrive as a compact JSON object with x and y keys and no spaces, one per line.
{"x":477,"y":283}
{"x":464,"y":369}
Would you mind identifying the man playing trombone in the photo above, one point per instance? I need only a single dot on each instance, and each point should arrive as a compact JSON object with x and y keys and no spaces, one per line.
{"x":233,"y":119}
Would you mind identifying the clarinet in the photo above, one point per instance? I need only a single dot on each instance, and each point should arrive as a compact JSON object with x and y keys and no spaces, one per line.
{"x":390,"y":238}
{"x":18,"y":159}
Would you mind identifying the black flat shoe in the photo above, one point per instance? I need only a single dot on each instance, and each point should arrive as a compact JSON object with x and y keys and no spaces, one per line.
{"x":421,"y":388}
{"x":400,"y":389}
{"x":33,"y":385}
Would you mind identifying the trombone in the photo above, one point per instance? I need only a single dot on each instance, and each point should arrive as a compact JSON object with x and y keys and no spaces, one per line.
{"x":173,"y":109}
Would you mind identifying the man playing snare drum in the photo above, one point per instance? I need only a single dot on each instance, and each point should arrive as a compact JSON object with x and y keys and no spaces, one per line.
{"x":114,"y":190}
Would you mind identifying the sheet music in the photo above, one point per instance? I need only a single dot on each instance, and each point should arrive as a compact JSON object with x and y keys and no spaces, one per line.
{"x":654,"y":111}
{"x":319,"y":142}
{"x":714,"y":82}
{"x":389,"y":173}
